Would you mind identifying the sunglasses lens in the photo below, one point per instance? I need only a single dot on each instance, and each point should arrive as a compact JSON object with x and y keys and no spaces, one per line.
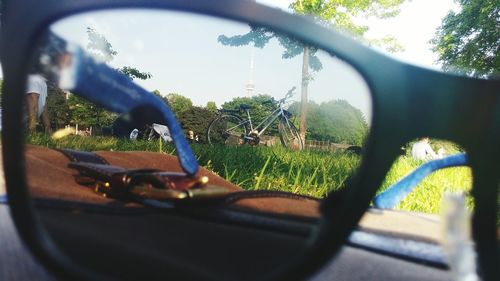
{"x":261,"y":111}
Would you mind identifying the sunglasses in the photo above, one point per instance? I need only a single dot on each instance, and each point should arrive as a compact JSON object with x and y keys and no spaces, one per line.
{"x":205,"y":50}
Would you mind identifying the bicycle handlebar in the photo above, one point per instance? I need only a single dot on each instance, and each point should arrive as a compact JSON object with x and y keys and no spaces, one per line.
{"x":290,"y":92}
{"x":288,"y":95}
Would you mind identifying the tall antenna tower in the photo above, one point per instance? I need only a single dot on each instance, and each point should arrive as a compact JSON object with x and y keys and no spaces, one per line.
{"x":250,"y":87}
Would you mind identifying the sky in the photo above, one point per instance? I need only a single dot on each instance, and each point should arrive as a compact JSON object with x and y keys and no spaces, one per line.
{"x":183,"y":55}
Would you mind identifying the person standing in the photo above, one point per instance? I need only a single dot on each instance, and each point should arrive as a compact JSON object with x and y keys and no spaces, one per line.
{"x":422,"y":150}
{"x":36,"y":107}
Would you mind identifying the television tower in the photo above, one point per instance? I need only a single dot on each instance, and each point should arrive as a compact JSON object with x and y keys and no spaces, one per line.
{"x":250,"y":87}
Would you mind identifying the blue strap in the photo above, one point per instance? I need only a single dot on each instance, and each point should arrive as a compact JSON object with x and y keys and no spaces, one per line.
{"x":3,"y":199}
{"x":398,"y":191}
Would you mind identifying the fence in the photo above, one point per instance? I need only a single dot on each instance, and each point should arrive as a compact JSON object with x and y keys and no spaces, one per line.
{"x":325,"y":145}
{"x":309,"y":144}
{"x":264,"y":140}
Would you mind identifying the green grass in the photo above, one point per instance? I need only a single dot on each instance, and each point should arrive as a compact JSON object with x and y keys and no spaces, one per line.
{"x":308,"y":172}
{"x":313,"y":173}
{"x":427,"y":196}
{"x":94,"y":143}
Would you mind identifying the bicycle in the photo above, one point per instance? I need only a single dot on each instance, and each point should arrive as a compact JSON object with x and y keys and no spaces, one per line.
{"x":229,"y":128}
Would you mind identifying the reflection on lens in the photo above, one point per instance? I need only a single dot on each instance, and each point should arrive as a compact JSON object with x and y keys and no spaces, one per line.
{"x":255,"y":121}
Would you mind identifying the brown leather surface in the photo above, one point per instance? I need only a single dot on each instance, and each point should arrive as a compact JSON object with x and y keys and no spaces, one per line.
{"x":165,"y":162}
{"x":50,"y":178}
{"x":302,"y":207}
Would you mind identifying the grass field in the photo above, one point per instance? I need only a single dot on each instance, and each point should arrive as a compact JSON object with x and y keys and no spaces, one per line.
{"x":308,"y":172}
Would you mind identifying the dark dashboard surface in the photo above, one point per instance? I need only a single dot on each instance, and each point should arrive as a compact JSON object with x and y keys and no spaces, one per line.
{"x":16,"y":263}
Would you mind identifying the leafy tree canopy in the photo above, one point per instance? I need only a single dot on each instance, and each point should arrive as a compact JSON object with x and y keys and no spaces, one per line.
{"x":336,"y":121}
{"x":259,"y":37}
{"x":162,"y":97}
{"x":341,"y":13}
{"x":101,"y":49}
{"x":260,"y":109}
{"x":85,"y":113}
{"x":57,"y":107}
{"x":99,"y":46}
{"x":338,"y":13}
{"x":81,"y":111}
{"x":211,"y":106}
{"x":196,"y":119}
{"x":179,"y":103}
{"x":469,"y":41}
{"x":133,"y":72}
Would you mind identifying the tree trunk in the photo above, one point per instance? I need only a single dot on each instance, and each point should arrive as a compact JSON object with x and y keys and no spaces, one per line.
{"x":303,"y":98}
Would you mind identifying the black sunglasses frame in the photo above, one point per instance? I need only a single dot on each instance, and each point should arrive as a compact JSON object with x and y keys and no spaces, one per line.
{"x":408,"y":102}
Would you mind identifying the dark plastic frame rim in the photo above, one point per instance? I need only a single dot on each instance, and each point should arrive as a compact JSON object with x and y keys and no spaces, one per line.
{"x":454,"y":114}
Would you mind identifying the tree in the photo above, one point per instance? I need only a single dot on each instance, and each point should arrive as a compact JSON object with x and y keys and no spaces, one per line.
{"x":99,"y":46}
{"x":57,"y":107}
{"x":335,"y":121}
{"x":162,"y":97}
{"x":196,"y":119}
{"x":258,"y":110}
{"x":469,"y":41}
{"x":101,"y":49}
{"x":211,"y":106}
{"x":326,"y":12}
{"x":87,"y":114}
{"x":179,"y":103}
{"x":133,"y":72}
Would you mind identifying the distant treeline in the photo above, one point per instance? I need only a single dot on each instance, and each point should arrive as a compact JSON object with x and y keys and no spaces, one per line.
{"x":336,"y":121}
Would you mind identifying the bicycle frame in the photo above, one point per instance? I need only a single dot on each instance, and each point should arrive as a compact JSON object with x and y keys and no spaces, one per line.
{"x":264,"y":124}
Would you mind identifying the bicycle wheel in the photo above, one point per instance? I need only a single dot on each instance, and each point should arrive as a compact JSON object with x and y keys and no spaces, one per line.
{"x":226,"y":129}
{"x":289,"y":135}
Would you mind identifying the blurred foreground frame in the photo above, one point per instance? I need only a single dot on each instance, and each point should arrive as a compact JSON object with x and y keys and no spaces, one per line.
{"x":438,"y":105}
